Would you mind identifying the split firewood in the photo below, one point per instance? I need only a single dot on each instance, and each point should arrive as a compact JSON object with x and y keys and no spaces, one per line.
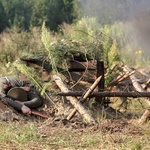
{"x":85,"y":96}
{"x":74,"y":101}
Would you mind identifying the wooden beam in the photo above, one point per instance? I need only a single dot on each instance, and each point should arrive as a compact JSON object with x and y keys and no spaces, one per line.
{"x":107,"y":94}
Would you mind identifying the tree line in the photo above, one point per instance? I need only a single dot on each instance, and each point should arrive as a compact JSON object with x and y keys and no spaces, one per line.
{"x":26,"y":14}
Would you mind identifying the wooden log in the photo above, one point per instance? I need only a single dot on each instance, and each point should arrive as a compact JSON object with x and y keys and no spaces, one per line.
{"x":80,"y":66}
{"x":139,"y":88}
{"x":74,"y":101}
{"x":136,"y":85}
{"x":126,"y":76}
{"x":147,"y":85}
{"x":121,"y":78}
{"x":85,"y":96}
{"x":107,"y":94}
{"x":145,"y":116}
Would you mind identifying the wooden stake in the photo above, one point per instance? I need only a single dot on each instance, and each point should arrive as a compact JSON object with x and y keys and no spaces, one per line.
{"x":86,"y":95}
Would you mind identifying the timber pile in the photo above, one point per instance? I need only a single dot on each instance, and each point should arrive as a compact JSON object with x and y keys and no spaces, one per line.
{"x":131,"y":83}
{"x":138,"y":87}
{"x":86,"y":79}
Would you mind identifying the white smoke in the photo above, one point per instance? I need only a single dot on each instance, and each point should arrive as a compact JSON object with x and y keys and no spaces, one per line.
{"x":134,"y":13}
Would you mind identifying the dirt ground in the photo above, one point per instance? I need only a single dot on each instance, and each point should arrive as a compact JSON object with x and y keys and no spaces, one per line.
{"x":110,"y":121}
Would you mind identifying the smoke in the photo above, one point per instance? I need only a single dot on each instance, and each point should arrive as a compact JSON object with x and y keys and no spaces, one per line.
{"x":142,"y":25}
{"x":134,"y":14}
{"x":108,"y":11}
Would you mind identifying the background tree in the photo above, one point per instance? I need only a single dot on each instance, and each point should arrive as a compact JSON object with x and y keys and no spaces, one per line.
{"x":3,"y":20}
{"x":27,"y":14}
{"x":54,"y":12}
